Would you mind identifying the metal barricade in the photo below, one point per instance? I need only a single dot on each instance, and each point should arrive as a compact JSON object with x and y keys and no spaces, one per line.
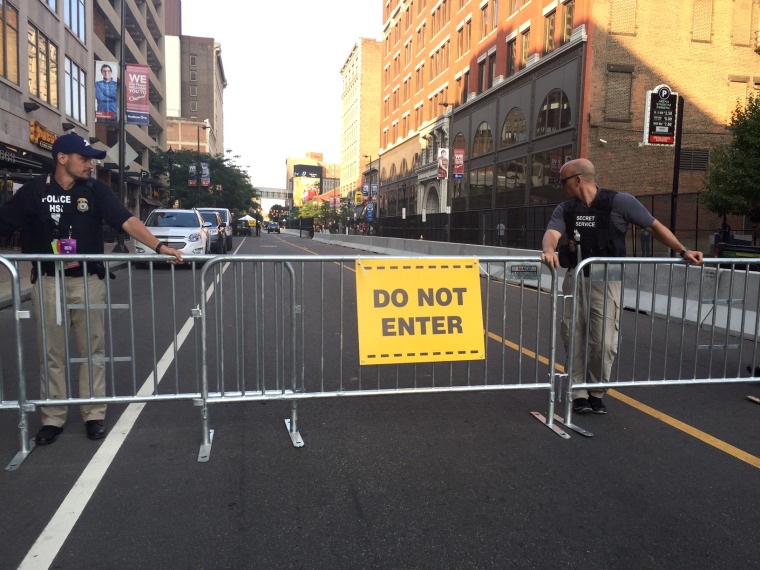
{"x":645,"y":321}
{"x":286,"y":328}
{"x":18,"y":400}
{"x":139,"y":364}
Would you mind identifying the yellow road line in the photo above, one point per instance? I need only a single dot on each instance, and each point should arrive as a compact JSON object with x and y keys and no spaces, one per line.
{"x":687,"y":429}
{"x":704,"y":437}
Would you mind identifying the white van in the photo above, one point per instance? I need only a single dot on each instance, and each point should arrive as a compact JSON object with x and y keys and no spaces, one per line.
{"x":227,"y":219}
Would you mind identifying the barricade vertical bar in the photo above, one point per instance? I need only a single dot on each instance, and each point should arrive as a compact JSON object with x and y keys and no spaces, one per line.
{"x":576,"y":290}
{"x":26,"y":444}
{"x":207,"y":434}
{"x":292,"y":423}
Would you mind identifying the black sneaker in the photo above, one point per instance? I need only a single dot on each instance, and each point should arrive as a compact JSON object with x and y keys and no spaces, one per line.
{"x":597,"y":406}
{"x":581,"y":406}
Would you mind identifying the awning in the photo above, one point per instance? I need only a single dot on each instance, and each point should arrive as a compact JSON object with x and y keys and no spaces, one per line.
{"x":152,"y":201}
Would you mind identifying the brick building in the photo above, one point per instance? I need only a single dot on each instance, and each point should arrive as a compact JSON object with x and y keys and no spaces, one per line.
{"x":517,"y":87}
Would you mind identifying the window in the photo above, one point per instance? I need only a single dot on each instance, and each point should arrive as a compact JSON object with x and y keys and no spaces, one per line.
{"x":511,"y":57}
{"x":745,"y":15}
{"x":701,"y":23}
{"x":623,"y":17}
{"x":193,"y":91}
{"x":482,"y":80}
{"x":74,"y":16}
{"x":193,"y":60}
{"x":420,"y":38}
{"x":510,"y":182}
{"x":465,"y":86}
{"x":514,"y":6}
{"x":43,"y":67}
{"x":481,"y":186}
{"x":524,"y":48}
{"x":549,"y":23}
{"x":53,"y":4}
{"x":568,"y":11}
{"x":544,"y":175}
{"x":494,"y":14}
{"x":193,"y":76}
{"x":514,"y":129}
{"x":483,"y":141}
{"x":468,"y":34}
{"x":460,"y":42}
{"x":554,"y":113}
{"x":617,"y":99}
{"x":485,"y":25}
{"x":491,"y":69}
{"x":8,"y":42}
{"x":737,"y":96}
{"x":75,"y":88}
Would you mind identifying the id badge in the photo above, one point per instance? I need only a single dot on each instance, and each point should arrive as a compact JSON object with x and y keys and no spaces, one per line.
{"x":68,"y":246}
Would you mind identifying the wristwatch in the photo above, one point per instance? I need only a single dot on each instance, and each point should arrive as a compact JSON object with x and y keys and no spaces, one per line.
{"x":683,"y":252}
{"x":159,"y":245}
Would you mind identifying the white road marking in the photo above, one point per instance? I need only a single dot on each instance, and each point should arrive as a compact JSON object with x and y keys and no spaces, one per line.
{"x":49,"y":543}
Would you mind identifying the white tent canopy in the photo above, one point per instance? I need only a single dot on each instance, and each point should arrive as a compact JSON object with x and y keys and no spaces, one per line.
{"x":247,"y":218}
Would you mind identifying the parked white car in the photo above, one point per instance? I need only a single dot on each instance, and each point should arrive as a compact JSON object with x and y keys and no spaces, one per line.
{"x":228,"y":220}
{"x":184,"y":230}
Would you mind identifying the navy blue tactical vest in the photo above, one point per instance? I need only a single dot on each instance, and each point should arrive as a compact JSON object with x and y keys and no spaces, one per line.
{"x":599,"y":236}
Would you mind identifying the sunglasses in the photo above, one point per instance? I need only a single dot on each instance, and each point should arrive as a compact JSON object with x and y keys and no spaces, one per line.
{"x":566,"y":178}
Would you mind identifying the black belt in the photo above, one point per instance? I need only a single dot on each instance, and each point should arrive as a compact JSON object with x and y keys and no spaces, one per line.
{"x":72,"y":272}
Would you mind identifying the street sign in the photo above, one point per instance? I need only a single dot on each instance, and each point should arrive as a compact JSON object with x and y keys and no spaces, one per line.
{"x":661,"y":116}
{"x":413,"y":312}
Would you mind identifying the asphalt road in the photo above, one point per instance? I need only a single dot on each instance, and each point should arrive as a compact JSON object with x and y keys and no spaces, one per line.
{"x":671,"y":479}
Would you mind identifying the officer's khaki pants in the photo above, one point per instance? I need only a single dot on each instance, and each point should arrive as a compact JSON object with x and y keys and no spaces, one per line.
{"x":603,"y":321}
{"x":56,"y":348}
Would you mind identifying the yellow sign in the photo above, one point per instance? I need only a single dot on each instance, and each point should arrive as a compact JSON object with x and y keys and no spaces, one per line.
{"x":425,"y":310}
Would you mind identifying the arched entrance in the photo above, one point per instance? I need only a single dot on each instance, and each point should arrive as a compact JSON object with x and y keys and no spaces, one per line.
{"x":432,"y":201}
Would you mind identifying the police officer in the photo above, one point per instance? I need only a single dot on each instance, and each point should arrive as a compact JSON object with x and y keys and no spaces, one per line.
{"x":600,"y":218}
{"x":64,"y":213}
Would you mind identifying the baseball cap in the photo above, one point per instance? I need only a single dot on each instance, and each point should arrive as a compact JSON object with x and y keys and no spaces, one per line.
{"x":73,"y":143}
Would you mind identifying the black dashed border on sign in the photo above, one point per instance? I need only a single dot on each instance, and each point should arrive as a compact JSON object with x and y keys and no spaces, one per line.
{"x":402,"y":267}
{"x":421,"y":354}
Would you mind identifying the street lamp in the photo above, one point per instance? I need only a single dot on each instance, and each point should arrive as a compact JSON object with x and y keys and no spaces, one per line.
{"x":170,"y":158}
{"x":204,"y":126}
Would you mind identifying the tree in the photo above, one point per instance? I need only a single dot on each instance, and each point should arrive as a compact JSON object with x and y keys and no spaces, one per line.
{"x":732,"y":182}
{"x":230,"y":187}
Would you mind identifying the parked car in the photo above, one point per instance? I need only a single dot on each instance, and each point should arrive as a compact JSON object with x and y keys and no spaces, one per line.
{"x":228,"y":220}
{"x":184,"y":230}
{"x":273,"y":227}
{"x":216,"y":231}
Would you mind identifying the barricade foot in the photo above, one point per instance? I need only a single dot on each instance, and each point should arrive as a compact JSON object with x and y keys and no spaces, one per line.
{"x":19,"y":458}
{"x":295,"y":436}
{"x":556,"y":429}
{"x":205,"y":452}
{"x":572,"y":426}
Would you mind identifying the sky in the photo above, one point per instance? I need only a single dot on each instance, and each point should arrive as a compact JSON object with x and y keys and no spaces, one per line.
{"x":282,"y":61}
